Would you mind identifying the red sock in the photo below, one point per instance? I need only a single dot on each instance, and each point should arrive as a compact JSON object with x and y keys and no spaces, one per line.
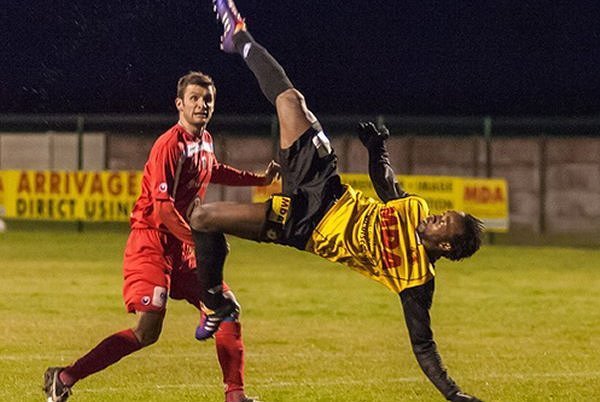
{"x":230,"y":351}
{"x":107,"y":352}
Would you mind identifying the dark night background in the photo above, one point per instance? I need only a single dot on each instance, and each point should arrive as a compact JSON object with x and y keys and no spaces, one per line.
{"x":373,"y":56}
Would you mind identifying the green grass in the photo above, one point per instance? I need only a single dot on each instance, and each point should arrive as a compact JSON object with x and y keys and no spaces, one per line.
{"x":512,"y":324}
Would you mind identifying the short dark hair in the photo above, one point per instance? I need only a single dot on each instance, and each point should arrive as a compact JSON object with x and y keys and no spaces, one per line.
{"x":194,"y":78}
{"x":468,"y":242}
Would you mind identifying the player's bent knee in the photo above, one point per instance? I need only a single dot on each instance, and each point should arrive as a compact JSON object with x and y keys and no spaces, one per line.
{"x":149,"y":327}
{"x":292,"y":102}
{"x":294,"y":117}
{"x":147,"y":336}
{"x":290,"y":98}
{"x":201,"y":218}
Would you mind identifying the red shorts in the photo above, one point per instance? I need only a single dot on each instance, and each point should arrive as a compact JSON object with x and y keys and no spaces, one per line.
{"x":155,"y":267}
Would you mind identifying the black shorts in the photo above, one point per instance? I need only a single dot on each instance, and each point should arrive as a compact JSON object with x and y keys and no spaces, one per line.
{"x":310,"y":179}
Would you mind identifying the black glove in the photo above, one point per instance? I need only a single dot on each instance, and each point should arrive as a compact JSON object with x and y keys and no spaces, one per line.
{"x":462,"y":397}
{"x":369,"y":135}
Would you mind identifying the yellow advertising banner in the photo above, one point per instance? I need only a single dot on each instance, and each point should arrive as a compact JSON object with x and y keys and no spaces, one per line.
{"x":486,"y":199}
{"x":102,"y":196}
{"x":68,"y":195}
{"x":2,"y":208}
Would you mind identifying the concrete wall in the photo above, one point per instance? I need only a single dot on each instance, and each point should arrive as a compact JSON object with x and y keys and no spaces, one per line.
{"x":56,"y":151}
{"x":573,"y":185}
{"x":554,"y":184}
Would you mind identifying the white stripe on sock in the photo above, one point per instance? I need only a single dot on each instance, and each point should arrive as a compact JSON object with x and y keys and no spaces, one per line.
{"x":246,"y":49}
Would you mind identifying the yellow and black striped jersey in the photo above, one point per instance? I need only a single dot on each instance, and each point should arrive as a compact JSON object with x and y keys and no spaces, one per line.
{"x":377,"y":239}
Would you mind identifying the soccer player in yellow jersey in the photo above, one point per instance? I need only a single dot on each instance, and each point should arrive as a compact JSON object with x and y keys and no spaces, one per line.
{"x":395,"y":241}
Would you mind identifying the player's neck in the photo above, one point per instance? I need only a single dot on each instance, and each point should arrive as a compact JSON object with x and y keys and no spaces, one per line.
{"x":195,"y":131}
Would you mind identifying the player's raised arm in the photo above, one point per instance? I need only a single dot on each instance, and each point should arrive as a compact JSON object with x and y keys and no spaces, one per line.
{"x":380,"y":170}
{"x":416,"y":303}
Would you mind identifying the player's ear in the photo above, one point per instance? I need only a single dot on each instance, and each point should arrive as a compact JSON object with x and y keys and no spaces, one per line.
{"x":179,"y":104}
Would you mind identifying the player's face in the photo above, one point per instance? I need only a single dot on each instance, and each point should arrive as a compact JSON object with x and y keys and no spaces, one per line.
{"x":439,"y":230}
{"x":197,"y":105}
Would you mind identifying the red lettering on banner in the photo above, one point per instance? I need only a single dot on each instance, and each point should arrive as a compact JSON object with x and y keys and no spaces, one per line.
{"x":390,"y":237}
{"x":80,"y":180}
{"x":499,"y":194}
{"x":54,"y":183}
{"x":40,"y":181}
{"x":24,"y":186}
{"x":484,"y":194}
{"x":132,"y":184}
{"x":114,"y":184}
{"x":96,"y":184}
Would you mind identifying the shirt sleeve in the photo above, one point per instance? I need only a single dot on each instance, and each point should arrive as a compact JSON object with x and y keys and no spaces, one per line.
{"x":174,"y":221}
{"x":382,"y":175}
{"x":416,"y":303}
{"x":164,"y":160}
{"x":230,"y":176}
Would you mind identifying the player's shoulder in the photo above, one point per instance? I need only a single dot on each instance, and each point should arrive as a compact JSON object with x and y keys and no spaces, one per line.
{"x":207,"y":136}
{"x":171,"y":138}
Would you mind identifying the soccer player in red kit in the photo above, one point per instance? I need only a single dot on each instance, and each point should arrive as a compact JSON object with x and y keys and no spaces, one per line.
{"x":159,"y":256}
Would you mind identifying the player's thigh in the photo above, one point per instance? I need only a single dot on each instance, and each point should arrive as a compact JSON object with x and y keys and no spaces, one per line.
{"x":294,"y":117}
{"x":241,"y":220}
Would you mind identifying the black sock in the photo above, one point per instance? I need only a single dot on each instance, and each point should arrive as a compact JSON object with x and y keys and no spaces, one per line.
{"x":269,"y":73}
{"x":211,"y":251}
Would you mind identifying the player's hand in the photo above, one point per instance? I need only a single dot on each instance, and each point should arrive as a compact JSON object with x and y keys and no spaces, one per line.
{"x":462,"y":397}
{"x":188,"y":255}
{"x":272,"y":173}
{"x":369,"y":135}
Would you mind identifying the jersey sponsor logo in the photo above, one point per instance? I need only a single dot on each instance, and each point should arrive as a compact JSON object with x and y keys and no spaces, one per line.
{"x":159,"y":297}
{"x":192,"y":149}
{"x":206,"y":146}
{"x":390,"y":235}
{"x":162,"y":187}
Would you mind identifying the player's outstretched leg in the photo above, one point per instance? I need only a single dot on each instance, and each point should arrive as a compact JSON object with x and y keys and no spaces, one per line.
{"x":211,"y":247}
{"x":294,"y":116}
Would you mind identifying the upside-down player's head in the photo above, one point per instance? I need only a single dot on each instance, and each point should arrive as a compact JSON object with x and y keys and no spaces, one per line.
{"x":195,"y":100}
{"x":454,"y":235}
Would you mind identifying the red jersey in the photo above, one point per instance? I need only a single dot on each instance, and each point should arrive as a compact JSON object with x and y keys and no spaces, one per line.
{"x":179,"y":168}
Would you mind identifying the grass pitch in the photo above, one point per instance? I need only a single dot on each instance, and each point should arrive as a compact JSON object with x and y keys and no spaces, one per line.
{"x":512,"y":324}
